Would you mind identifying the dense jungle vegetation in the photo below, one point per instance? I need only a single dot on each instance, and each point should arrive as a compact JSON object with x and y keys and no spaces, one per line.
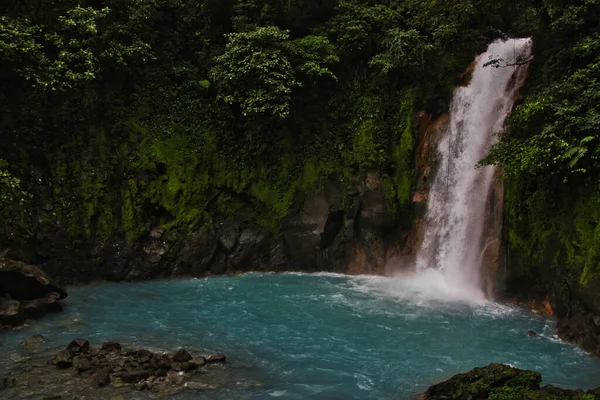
{"x":120,"y":115}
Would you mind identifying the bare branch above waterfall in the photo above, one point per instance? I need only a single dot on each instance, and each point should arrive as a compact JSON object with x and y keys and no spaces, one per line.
{"x":500,"y":63}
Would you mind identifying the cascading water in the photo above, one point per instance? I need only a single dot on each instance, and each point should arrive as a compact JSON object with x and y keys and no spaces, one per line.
{"x":455,"y":219}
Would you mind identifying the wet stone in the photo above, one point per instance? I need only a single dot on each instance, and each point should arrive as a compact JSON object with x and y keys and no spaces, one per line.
{"x":101,"y":379}
{"x":182,"y":355}
{"x":80,"y":369}
{"x":78,"y":346}
{"x":199,"y":361}
{"x":63,"y":359}
{"x":134,"y":376}
{"x":83,"y":365}
{"x":33,"y":340}
{"x":111,"y":346}
{"x":217,"y":358}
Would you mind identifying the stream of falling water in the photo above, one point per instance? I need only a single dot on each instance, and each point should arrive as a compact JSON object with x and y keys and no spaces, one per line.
{"x":456,"y":207}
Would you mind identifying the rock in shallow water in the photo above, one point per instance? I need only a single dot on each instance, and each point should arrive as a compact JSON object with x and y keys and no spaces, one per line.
{"x":26,"y":292}
{"x":63,"y":359}
{"x":111,"y":346}
{"x":11,"y":312}
{"x":216,"y":358}
{"x":78,"y":346}
{"x":80,"y":371}
{"x":32,"y":341}
{"x":500,"y":382}
{"x":181,"y":355}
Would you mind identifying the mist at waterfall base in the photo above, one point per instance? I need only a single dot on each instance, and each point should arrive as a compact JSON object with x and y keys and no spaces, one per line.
{"x":322,"y":336}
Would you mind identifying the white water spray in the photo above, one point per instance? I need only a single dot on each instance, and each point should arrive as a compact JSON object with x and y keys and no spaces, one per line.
{"x":455,"y":217}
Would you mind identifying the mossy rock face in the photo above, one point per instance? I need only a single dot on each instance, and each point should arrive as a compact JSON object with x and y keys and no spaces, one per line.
{"x":502,"y":382}
{"x":479,"y":383}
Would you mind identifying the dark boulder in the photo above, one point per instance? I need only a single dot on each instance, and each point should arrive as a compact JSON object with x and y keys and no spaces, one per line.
{"x":26,"y":282}
{"x":199,"y":361}
{"x":480,"y":383}
{"x":196,"y":256}
{"x":216,"y":358}
{"x":143,"y":355}
{"x":182,"y":355}
{"x":78,"y":346}
{"x":111,"y":346}
{"x":134,"y":376}
{"x":11,"y":313}
{"x":63,"y":359}
{"x":40,"y":307}
{"x":82,"y":365}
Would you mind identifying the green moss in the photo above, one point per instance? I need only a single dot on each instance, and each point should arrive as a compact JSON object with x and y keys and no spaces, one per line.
{"x":399,"y":186}
{"x":556,"y":234}
{"x":507,"y":393}
{"x":366,"y":151}
{"x":404,"y":166}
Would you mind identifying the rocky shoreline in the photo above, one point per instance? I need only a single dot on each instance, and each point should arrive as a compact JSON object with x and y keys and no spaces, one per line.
{"x":110,"y":371}
{"x":575,"y":324}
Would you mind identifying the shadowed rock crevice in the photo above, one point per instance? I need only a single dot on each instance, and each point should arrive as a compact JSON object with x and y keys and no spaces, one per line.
{"x":26,"y":292}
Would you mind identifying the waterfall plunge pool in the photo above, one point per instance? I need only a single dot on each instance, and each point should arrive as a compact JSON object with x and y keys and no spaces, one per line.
{"x":320,"y":336}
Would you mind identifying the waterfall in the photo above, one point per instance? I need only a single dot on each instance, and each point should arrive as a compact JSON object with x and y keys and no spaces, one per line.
{"x":454,"y":224}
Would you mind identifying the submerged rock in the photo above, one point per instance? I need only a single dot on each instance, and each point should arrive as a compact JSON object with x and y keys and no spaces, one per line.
{"x":33,"y":340}
{"x":501,"y":382}
{"x":33,"y":344}
{"x":217,"y":358}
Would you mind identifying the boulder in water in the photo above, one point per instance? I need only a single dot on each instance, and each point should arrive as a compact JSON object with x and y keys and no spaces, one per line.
{"x":216,"y":358}
{"x":40,"y":307}
{"x":181,"y":355}
{"x":11,"y":312}
{"x":531,"y":333}
{"x":111,"y":347}
{"x":78,"y":346}
{"x":33,"y":340}
{"x":26,"y":282}
{"x":26,"y":292}
{"x":481,"y":383}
